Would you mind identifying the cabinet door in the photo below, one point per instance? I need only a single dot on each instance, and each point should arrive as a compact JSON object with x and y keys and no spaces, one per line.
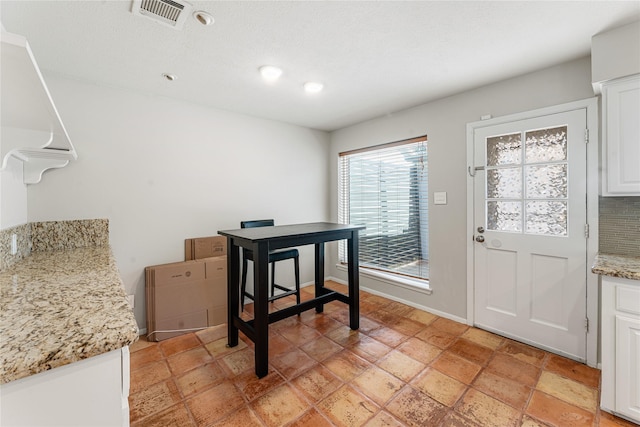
{"x":621,"y":131}
{"x":628,"y":367}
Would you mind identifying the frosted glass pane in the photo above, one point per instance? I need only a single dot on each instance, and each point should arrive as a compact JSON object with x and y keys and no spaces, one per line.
{"x":549,"y":218}
{"x":504,"y":150}
{"x":504,"y":216}
{"x":504,"y":183}
{"x":546,"y":145}
{"x":546,"y":181}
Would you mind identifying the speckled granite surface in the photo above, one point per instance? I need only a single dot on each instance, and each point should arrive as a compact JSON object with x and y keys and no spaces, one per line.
{"x":23,"y":235}
{"x":69,"y":234}
{"x":627,"y":267}
{"x":61,"y":306}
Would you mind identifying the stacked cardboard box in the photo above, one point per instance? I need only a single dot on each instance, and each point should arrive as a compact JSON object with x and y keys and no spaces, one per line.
{"x":189,"y":295}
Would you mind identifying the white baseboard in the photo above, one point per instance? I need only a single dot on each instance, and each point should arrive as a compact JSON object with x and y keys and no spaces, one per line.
{"x":409,"y":303}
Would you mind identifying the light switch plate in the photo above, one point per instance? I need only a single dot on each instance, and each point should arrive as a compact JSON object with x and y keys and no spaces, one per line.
{"x":440,"y":198}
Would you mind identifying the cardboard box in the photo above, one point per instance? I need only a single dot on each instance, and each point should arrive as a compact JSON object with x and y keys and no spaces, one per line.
{"x":185,"y":296}
{"x":205,"y":247}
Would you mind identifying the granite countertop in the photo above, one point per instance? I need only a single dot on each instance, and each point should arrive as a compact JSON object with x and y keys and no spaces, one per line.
{"x":627,"y":267}
{"x":61,"y":306}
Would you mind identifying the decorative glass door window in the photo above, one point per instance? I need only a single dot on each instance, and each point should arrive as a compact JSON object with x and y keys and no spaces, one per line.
{"x":526,"y":190}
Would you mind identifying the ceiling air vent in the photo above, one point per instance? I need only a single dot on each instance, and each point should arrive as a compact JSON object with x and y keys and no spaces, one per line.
{"x":171,"y":13}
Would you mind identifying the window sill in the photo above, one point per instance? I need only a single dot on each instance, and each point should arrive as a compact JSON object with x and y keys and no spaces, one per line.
{"x":421,"y":286}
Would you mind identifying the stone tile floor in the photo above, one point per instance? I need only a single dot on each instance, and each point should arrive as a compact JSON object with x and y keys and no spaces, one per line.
{"x":403,"y":367}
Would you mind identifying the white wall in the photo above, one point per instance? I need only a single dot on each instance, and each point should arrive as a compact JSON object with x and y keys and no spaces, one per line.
{"x":13,"y":195}
{"x":162,"y":170}
{"x":444,"y":121}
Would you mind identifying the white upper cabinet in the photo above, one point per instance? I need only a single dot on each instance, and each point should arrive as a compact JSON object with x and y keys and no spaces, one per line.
{"x":621,"y":137}
{"x":32,"y":130}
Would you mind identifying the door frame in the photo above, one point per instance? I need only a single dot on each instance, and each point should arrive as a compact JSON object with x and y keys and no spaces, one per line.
{"x":592,"y":291}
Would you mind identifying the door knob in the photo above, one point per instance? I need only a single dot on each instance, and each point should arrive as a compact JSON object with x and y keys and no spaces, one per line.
{"x":479,"y":239}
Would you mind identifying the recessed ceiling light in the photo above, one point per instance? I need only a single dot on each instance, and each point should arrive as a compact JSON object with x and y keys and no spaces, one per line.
{"x":313,"y":87}
{"x":170,"y":77}
{"x":270,"y":73}
{"x":203,"y":17}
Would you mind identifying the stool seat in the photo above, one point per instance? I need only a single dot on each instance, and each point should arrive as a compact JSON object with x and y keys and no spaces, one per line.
{"x":274,"y":256}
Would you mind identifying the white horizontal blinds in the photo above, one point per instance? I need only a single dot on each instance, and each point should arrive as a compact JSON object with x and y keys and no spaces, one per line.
{"x":384,"y":188}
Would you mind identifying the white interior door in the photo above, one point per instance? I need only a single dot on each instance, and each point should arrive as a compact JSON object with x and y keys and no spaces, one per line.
{"x":530,"y":219}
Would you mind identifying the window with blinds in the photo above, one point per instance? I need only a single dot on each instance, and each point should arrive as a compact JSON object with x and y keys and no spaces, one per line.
{"x":384,"y":188}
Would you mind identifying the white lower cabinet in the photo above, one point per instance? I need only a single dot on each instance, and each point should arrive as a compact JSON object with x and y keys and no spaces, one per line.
{"x":621,"y":347}
{"x":91,"y":392}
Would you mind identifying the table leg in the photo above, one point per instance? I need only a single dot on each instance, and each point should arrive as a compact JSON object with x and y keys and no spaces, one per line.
{"x":354,"y":284}
{"x":233,"y":289}
{"x":261,"y":307}
{"x":319,"y":273}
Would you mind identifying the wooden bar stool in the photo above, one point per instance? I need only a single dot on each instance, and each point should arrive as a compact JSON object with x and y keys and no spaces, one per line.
{"x":274,"y":256}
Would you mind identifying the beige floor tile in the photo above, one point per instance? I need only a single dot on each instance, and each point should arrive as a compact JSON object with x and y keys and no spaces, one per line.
{"x":140,"y":344}
{"x":378,"y":385}
{"x":292,"y":364}
{"x":153,"y":399}
{"x":388,"y":336}
{"x":421,"y":316}
{"x":175,"y":416}
{"x":449,"y":326}
{"x":486,"y":411}
{"x":218,"y":387}
{"x":514,"y":369}
{"x":311,"y":418}
{"x":401,"y":365}
{"x":317,"y":383}
{"x":456,"y":367}
{"x":416,"y":409}
{"x":439,"y":386}
{"x":145,"y":355}
{"x":212,"y":334}
{"x":419,"y":350}
{"x":321,"y":348}
{"x":370,"y":349}
{"x":215,"y":403}
{"x":344,"y":336}
{"x":238,"y":361}
{"x":568,"y":390}
{"x":252,"y":386}
{"x":243,"y":417}
{"x":383,"y":419}
{"x":346,"y":365}
{"x":453,"y":419}
{"x":219,"y":347}
{"x":179,"y":344}
{"x":512,"y":393}
{"x":348,"y":408}
{"x":471,"y":351}
{"x":406,"y":326}
{"x":574,"y":370}
{"x":556,"y":412}
{"x":300,"y":334}
{"x":484,"y":338}
{"x":279,"y":406}
{"x":200,"y":378}
{"x":437,"y":337}
{"x":148,"y":375}
{"x":523,"y":352}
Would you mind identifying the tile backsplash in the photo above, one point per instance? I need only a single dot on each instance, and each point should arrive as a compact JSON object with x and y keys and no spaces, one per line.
{"x":620,"y":225}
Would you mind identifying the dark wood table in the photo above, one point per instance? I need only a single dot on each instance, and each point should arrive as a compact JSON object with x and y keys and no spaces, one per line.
{"x":263,"y":239}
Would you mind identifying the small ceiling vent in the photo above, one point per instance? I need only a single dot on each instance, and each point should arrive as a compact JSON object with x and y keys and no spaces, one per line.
{"x":172,"y":13}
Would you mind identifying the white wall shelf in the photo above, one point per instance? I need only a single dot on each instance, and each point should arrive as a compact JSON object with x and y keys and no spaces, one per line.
{"x":32,"y":130}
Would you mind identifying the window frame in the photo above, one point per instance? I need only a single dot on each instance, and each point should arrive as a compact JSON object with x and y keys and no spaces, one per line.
{"x":388,"y":276}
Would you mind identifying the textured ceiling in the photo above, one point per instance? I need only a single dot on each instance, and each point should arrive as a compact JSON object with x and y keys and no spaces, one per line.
{"x":374,"y":58}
